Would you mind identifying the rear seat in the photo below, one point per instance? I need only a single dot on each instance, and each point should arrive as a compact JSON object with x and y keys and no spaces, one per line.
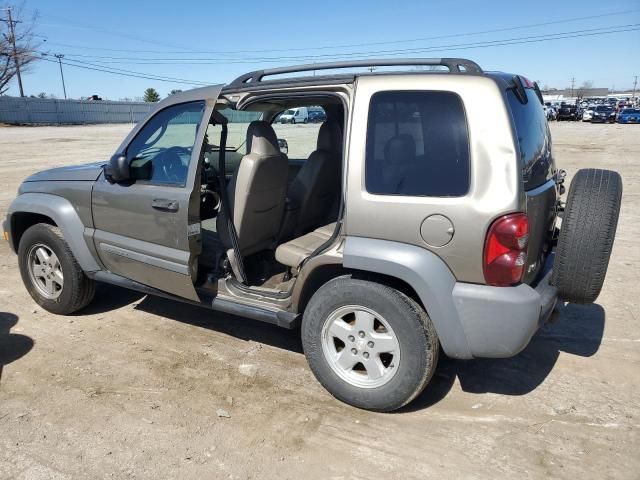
{"x":295,"y":251}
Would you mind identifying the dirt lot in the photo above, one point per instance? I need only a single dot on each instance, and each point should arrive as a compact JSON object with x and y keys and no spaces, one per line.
{"x":131,"y":387}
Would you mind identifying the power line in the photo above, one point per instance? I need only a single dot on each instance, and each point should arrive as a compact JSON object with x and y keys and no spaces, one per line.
{"x":128,"y":73}
{"x":353,"y":45}
{"x":100,"y":67}
{"x":161,"y":77}
{"x":368,"y":54}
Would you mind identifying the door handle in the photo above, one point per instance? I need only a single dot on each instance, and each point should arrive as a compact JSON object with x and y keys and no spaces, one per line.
{"x":165,"y":204}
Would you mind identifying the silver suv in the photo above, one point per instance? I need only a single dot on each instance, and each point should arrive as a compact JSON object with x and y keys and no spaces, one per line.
{"x":426,"y":218}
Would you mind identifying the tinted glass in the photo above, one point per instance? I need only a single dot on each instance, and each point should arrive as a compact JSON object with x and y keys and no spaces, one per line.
{"x":162,"y":149}
{"x":417,"y":144}
{"x":534,"y":139}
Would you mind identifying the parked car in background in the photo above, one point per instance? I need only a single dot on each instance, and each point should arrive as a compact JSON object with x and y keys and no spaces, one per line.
{"x":567,"y":112}
{"x":629,"y":115}
{"x":295,"y":115}
{"x":604,"y":114}
{"x":622,"y":104}
{"x":550,"y":112}
{"x":317,"y":116}
{"x":587,"y":114}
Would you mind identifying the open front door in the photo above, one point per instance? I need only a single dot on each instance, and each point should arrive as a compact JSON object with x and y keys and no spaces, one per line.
{"x":142,"y":226}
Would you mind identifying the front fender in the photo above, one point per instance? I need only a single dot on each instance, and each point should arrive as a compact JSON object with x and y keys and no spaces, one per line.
{"x":61,"y":211}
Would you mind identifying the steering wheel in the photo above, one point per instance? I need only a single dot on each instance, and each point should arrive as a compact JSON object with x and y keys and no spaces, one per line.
{"x":170,"y":164}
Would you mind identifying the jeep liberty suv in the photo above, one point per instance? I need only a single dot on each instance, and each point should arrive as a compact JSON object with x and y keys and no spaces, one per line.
{"x":425,"y":218}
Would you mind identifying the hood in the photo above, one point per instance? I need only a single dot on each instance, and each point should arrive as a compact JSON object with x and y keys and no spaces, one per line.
{"x":88,"y":172}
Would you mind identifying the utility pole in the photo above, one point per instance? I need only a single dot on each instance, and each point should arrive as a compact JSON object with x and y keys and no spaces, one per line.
{"x":60,"y":56}
{"x":573,"y":84}
{"x":12,"y":39}
{"x":635,"y":85}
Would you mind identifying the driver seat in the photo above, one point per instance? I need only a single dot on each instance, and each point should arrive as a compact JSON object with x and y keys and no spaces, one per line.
{"x":257,"y":192}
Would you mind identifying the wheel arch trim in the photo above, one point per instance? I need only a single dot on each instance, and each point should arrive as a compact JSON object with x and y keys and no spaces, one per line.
{"x":425,"y":272}
{"x":65,"y":217}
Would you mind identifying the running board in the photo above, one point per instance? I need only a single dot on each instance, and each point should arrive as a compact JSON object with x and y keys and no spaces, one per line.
{"x":280,"y":318}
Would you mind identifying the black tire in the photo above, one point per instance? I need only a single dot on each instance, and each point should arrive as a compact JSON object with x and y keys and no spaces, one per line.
{"x":586,"y":237}
{"x":415,"y":333}
{"x":77,"y":290}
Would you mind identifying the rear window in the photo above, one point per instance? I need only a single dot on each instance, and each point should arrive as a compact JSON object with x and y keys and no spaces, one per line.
{"x":534,"y":139}
{"x":417,"y":144}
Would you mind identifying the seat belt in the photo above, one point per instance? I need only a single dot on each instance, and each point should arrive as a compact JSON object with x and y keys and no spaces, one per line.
{"x":233,"y":254}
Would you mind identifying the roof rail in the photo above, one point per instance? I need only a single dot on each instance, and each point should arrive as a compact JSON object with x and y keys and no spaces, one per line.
{"x":455,"y":65}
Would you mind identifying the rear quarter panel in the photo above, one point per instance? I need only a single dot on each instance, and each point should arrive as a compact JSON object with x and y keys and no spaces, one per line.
{"x":495,"y":182}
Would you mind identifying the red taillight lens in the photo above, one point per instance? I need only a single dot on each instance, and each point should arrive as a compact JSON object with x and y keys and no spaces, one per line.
{"x":505,"y":250}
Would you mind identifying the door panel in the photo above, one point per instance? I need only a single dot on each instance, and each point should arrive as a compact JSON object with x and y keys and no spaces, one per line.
{"x":142,"y":227}
{"x":140,"y":242}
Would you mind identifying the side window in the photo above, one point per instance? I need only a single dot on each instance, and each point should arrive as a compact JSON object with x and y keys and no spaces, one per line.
{"x":534,"y":138}
{"x":302,"y":138}
{"x":417,"y":144}
{"x":161,"y":151}
{"x":236,"y":148}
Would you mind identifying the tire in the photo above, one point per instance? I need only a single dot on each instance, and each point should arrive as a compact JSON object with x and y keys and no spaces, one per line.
{"x":76,"y":290}
{"x":586,"y":237}
{"x":405,"y":373}
{"x":305,"y":120}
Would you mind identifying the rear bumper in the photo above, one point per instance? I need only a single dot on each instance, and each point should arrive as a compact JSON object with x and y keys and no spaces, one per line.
{"x":499,"y":322}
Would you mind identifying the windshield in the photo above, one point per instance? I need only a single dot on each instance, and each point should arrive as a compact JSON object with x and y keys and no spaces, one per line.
{"x":288,"y":112}
{"x":631,"y":110}
{"x":603,"y":109}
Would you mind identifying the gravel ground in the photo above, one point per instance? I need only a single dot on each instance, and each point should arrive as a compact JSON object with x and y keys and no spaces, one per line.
{"x":141,"y":387}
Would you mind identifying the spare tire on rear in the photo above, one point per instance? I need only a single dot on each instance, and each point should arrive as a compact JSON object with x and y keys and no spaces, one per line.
{"x":586,"y":237}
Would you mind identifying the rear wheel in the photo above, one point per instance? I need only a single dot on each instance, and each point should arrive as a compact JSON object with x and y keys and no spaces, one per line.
{"x":586,"y":237}
{"x":368,"y":344}
{"x":50,"y":272}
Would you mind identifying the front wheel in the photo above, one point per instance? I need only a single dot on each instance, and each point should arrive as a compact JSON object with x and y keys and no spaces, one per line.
{"x":51,"y":273}
{"x":369,"y":345}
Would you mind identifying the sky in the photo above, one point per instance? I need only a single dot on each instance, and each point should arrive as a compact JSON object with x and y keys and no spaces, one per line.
{"x":209,"y":42}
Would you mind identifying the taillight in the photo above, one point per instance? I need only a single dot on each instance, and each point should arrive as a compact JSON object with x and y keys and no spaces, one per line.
{"x":505,"y":250}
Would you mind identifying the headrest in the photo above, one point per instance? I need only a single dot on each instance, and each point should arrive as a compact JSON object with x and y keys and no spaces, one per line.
{"x":261,"y":139}
{"x":330,"y":137}
{"x":399,"y":148}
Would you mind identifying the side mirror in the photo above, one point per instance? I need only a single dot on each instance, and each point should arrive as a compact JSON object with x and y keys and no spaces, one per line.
{"x":283,"y":145}
{"x":117,"y":170}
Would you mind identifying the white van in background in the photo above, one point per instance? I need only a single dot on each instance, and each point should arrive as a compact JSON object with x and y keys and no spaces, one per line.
{"x":294,"y":115}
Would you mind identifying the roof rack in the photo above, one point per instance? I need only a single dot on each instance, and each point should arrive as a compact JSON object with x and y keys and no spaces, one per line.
{"x":455,"y":65}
